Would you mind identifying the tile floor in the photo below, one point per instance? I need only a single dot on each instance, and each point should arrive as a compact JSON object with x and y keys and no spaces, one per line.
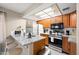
{"x":56,"y":50}
{"x":53,"y":52}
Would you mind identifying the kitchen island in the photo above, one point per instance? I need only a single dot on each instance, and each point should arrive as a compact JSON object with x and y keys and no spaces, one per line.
{"x":33,"y":45}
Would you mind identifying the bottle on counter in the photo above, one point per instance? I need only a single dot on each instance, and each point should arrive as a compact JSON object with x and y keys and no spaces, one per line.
{"x":23,"y":33}
{"x":29,"y":35}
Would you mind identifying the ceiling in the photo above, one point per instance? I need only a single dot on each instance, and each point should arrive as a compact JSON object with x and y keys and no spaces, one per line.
{"x":65,"y":8}
{"x":32,"y":13}
{"x":71,"y":6}
{"x":17,"y":7}
{"x":30,"y":9}
{"x":48,"y":12}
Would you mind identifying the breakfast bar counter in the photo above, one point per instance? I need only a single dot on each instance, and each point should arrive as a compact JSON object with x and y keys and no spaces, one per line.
{"x":25,"y":41}
{"x":31,"y":45}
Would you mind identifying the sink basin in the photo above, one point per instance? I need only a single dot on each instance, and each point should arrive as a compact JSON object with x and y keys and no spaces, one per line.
{"x":33,"y":35}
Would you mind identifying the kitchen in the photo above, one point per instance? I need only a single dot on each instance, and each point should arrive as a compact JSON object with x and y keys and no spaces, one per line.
{"x":45,"y":28}
{"x":62,"y":31}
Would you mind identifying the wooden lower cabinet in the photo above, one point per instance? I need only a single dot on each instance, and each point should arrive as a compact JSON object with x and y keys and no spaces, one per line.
{"x":46,"y":38}
{"x":68,"y":47}
{"x":65,"y":44}
{"x":72,"y":47}
{"x":38,"y":46}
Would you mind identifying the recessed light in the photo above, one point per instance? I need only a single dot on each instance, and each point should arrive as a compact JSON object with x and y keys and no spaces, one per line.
{"x":48,"y":10}
{"x":39,"y":13}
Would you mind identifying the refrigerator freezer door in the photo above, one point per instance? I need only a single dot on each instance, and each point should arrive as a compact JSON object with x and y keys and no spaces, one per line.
{"x":40,"y":29}
{"x":35,"y":28}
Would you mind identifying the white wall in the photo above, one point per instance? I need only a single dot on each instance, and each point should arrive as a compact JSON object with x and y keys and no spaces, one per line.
{"x":13,"y":20}
{"x":2,"y":27}
{"x":78,"y":29}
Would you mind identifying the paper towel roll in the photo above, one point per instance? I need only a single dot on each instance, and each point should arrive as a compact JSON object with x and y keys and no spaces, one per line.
{"x":52,"y":39}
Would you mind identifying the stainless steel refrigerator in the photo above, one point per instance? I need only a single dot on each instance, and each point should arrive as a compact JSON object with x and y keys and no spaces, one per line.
{"x":37,"y":28}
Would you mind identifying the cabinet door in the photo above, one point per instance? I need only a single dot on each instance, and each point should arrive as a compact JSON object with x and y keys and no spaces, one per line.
{"x":38,"y":46}
{"x":46,"y":38}
{"x":27,"y":49}
{"x":30,"y":47}
{"x":53,"y":20}
{"x":58,"y":19}
{"x":45,"y":22}
{"x":72,"y":47}
{"x":66,"y":20}
{"x":73,"y":19}
{"x":65,"y":44}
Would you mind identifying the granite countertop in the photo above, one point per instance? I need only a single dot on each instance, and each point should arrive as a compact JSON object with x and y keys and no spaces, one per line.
{"x":25,"y":41}
{"x":68,"y":35}
{"x":71,"y":38}
{"x":45,"y":33}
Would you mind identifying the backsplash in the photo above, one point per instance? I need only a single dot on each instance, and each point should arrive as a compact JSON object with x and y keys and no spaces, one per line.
{"x":46,"y":30}
{"x":71,"y":30}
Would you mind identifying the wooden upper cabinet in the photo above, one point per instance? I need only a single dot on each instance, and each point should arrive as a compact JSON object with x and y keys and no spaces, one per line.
{"x":45,"y":22}
{"x":66,"y":20}
{"x":58,"y":19}
{"x":53,"y":20}
{"x":69,"y":20}
{"x":73,"y":20}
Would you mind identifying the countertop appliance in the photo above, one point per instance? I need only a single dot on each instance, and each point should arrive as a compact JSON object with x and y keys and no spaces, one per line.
{"x":67,"y":32}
